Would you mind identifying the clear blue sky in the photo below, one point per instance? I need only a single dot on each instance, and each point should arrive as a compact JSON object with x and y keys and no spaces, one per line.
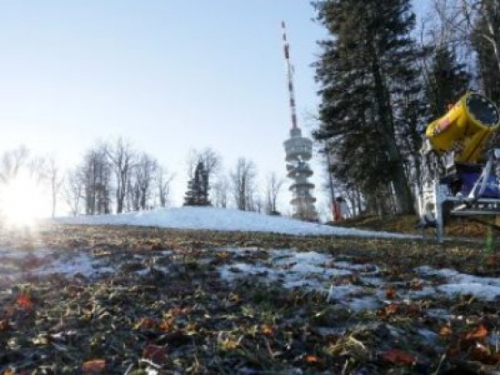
{"x":169,"y":75}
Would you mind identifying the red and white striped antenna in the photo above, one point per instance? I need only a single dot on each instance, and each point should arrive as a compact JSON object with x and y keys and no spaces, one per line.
{"x":289,"y":74}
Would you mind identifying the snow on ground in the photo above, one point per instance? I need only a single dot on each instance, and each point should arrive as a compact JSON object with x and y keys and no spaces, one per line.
{"x":223,"y":219}
{"x":356,"y":286}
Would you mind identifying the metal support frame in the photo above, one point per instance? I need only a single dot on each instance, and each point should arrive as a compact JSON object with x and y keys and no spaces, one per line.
{"x":434,"y":194}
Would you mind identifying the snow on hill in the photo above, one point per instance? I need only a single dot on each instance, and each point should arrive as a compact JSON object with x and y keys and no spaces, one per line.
{"x":211,"y":218}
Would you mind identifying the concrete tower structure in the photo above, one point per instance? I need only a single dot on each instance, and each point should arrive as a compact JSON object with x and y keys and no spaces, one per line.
{"x":298,"y":150}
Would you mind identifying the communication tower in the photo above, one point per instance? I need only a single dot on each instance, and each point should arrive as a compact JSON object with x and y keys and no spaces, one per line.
{"x":298,"y":150}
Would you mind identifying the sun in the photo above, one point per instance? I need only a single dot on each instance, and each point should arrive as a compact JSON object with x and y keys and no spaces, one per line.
{"x":23,"y":200}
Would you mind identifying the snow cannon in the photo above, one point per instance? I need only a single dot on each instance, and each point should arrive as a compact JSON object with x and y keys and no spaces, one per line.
{"x":459,"y":173}
{"x":465,"y":128}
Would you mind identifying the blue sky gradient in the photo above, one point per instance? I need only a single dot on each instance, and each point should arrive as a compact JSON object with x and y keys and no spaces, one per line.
{"x":168,"y":75}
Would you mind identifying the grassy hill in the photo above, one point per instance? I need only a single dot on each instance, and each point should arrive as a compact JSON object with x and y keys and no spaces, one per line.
{"x":458,"y":227}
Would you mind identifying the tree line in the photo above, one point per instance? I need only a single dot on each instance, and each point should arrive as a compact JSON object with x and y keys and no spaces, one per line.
{"x":116,"y":177}
{"x":382,"y":79}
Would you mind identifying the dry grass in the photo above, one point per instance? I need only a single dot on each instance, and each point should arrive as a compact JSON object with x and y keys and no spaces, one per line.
{"x":457,"y":227}
{"x":189,"y":320}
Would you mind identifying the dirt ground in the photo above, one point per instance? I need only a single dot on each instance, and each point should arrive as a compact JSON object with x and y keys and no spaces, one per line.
{"x":158,"y":303}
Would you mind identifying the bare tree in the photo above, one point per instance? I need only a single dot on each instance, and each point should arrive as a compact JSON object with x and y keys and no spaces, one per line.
{"x":220,"y":191}
{"x":123,"y":159}
{"x":460,"y":17}
{"x":11,"y":162}
{"x":141,"y":182}
{"x":95,"y":172}
{"x":163,"y":180}
{"x":191,"y":161}
{"x":73,"y":190}
{"x":256,"y":203}
{"x":55,"y":179}
{"x":273,"y":188}
{"x":243,"y":183}
{"x":211,"y":160}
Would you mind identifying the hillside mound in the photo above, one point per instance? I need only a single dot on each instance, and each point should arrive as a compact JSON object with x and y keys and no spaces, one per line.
{"x":457,"y":227}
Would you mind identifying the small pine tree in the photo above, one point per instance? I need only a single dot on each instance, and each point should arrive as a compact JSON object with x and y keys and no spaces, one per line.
{"x":197,"y":193}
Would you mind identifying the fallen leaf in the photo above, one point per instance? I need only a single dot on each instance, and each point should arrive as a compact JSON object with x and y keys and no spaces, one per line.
{"x":94,"y":366}
{"x":390,"y":309}
{"x":267,"y":329}
{"x":311,"y":358}
{"x":445,"y":330}
{"x":166,"y":325}
{"x":4,"y":325}
{"x":390,"y":293}
{"x":477,"y":334}
{"x":399,"y":357}
{"x":24,"y":301}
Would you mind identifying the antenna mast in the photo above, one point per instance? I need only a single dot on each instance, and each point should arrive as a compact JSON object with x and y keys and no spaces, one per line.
{"x":298,"y":150}
{"x":289,"y":74}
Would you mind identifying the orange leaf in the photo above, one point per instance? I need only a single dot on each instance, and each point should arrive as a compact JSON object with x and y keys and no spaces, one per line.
{"x":479,"y":333}
{"x":267,"y":329}
{"x":399,"y":357}
{"x":311,"y":358}
{"x":4,"y":325}
{"x":390,"y":293}
{"x":156,"y":354}
{"x":391,"y":308}
{"x":93,"y":366}
{"x":166,"y":325}
{"x":24,"y":301}
{"x":445,"y":330}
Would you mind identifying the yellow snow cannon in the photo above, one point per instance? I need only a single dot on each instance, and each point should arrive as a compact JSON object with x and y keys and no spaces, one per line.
{"x":465,"y":128}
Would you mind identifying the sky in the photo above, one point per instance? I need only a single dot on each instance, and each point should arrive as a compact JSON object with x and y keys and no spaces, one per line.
{"x":168,"y":75}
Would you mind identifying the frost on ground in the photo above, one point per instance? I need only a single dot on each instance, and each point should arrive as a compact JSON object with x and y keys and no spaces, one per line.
{"x":356,"y":286}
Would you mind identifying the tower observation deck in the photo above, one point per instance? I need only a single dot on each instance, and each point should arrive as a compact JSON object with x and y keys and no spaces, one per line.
{"x":298,"y":150}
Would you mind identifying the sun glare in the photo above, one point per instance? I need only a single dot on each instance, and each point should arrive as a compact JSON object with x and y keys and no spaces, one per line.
{"x":23,"y":201}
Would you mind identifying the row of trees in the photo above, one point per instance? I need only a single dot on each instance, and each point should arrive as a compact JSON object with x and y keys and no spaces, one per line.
{"x":240,"y":184}
{"x":115,"y":177}
{"x":381,"y":81}
{"x":112,"y":177}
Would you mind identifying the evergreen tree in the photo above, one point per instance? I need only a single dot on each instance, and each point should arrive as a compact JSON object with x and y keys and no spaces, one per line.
{"x":368,"y":80}
{"x":197,"y":193}
{"x":448,"y":81}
